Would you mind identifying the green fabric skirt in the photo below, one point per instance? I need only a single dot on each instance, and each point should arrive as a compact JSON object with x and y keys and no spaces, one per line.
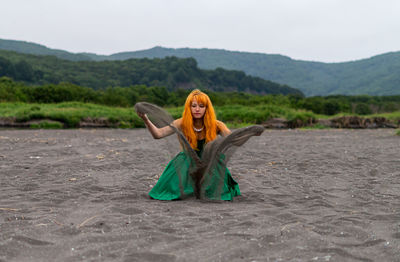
{"x":175,"y":182}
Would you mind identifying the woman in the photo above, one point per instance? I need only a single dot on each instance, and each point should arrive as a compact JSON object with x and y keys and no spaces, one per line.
{"x":199,"y":126}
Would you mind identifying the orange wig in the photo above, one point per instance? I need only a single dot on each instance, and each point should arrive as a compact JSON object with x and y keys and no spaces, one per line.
{"x":209,"y":119}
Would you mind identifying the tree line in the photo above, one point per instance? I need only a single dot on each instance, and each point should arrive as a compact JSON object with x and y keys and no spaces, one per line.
{"x":170,"y":72}
{"x":13,"y":91}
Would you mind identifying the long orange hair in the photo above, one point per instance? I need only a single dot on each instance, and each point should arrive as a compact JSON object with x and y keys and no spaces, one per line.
{"x":209,"y":119}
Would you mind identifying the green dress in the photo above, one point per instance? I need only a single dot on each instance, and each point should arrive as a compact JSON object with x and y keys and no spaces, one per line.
{"x":175,"y":182}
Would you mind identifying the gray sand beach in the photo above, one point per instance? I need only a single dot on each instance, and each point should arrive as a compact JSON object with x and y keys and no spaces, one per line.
{"x":307,"y":195}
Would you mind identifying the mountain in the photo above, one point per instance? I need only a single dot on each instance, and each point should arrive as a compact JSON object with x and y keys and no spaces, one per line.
{"x":170,"y":72}
{"x":36,"y":49}
{"x":377,"y":75}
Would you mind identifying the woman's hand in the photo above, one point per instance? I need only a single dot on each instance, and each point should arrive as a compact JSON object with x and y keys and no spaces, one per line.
{"x":143,"y":116}
{"x":155,"y":131}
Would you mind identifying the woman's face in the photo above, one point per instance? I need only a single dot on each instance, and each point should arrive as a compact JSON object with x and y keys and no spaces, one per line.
{"x":198,"y":109}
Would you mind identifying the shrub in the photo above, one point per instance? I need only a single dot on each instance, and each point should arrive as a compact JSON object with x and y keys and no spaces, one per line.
{"x":330,"y":108}
{"x":362,"y":109}
{"x":47,"y":125}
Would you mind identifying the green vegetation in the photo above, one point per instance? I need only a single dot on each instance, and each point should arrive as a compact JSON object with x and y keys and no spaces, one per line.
{"x":234,"y":107}
{"x":359,"y":105}
{"x":68,"y":105}
{"x":73,"y":114}
{"x":170,"y":72}
{"x":261,"y":107}
{"x":398,"y":132}
{"x":36,"y":49}
{"x":374,"y":76}
{"x":70,"y":114}
{"x":47,"y":125}
{"x":49,"y":92}
{"x":258,"y":114}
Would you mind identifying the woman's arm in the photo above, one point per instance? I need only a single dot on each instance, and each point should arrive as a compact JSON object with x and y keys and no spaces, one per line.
{"x":222,"y":129}
{"x":156,"y":132}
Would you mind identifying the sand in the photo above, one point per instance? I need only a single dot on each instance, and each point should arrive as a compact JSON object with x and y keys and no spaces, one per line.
{"x":81,"y":195}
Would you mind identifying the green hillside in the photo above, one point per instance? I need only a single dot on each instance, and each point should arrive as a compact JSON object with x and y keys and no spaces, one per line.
{"x":170,"y":72}
{"x":377,"y":75}
{"x":36,"y":49}
{"x":374,"y":76}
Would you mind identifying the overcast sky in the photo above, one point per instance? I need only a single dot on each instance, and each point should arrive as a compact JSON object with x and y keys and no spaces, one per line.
{"x":317,"y":30}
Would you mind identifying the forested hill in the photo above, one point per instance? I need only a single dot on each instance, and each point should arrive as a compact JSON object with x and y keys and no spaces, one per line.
{"x":36,"y":49}
{"x":377,"y":75}
{"x":170,"y":72}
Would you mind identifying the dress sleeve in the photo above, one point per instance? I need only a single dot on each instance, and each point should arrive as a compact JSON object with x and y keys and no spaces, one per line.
{"x":222,"y":129}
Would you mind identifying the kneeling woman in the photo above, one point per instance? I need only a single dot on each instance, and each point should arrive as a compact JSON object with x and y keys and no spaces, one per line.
{"x":199,"y":126}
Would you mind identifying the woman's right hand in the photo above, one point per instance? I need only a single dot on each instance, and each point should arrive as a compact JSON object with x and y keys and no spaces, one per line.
{"x":143,"y":116}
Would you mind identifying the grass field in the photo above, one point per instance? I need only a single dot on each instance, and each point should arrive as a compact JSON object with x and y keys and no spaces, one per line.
{"x":70,"y":114}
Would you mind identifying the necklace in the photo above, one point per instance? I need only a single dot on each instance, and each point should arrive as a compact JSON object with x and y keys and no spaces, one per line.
{"x":198,"y":129}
